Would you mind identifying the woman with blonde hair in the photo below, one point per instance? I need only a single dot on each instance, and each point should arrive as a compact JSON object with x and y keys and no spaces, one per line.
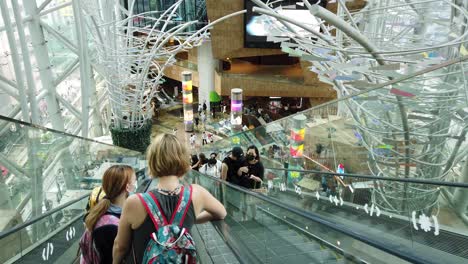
{"x":167,"y":162}
{"x":102,"y":220}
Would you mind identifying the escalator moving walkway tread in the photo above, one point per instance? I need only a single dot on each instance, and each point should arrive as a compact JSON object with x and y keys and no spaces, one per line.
{"x":275,"y":242}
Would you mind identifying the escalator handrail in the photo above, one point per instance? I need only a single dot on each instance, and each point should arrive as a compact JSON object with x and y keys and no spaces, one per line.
{"x":11,"y":120}
{"x":405,"y":255}
{"x":370,"y":177}
{"x":42,"y":216}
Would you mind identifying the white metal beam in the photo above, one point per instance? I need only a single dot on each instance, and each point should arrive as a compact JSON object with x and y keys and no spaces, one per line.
{"x":60,"y":37}
{"x":70,"y":107}
{"x":85,"y":68}
{"x":46,"y":3}
{"x":43,"y":13}
{"x":27,"y":65}
{"x":70,"y":68}
{"x":6,"y":86}
{"x":53,"y":9}
{"x":15,"y":59}
{"x":43,"y":62}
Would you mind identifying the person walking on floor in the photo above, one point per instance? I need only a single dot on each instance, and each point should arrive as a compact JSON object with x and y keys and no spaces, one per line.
{"x":197,"y":120}
{"x":204,"y":138}
{"x":210,"y":137}
{"x":200,"y":108}
{"x":193,"y":139}
{"x":203,"y":119}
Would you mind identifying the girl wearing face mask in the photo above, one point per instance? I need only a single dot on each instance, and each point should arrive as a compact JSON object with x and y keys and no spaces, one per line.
{"x":102,"y":221}
{"x":251,"y":173}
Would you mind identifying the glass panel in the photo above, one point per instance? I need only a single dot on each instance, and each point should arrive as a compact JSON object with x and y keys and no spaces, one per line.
{"x":11,"y":245}
{"x":60,"y":23}
{"x":189,"y":10}
{"x":268,"y":233}
{"x":409,"y":130}
{"x":47,"y":238}
{"x":43,"y":169}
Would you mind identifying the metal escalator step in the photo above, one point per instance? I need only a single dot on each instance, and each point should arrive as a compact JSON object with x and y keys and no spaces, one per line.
{"x":311,"y":246}
{"x":225,"y":259}
{"x":297,"y":259}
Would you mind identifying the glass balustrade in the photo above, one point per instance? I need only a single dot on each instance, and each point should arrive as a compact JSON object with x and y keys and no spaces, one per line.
{"x":266,"y":230}
{"x":43,"y":169}
{"x":45,"y":239}
{"x":406,"y":137}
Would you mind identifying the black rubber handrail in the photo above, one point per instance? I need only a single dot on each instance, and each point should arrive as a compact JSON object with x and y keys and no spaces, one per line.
{"x":370,"y":177}
{"x":38,"y":218}
{"x":9,"y":119}
{"x":405,"y":255}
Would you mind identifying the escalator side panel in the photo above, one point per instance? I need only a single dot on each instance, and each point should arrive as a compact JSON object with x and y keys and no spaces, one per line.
{"x":53,"y":248}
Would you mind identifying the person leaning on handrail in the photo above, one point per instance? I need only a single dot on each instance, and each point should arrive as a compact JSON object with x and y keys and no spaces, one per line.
{"x":168,"y":163}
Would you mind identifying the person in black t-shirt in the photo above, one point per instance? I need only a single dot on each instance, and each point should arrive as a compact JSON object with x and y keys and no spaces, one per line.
{"x":251,"y":172}
{"x":250,"y":176}
{"x":231,"y":165}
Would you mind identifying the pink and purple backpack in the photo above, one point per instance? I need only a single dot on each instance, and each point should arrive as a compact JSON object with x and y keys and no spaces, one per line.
{"x":89,"y":253}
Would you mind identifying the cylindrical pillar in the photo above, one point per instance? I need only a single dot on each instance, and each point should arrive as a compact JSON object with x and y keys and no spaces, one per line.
{"x":296,"y":148}
{"x":236,"y":110}
{"x":15,"y":57}
{"x":206,"y":73}
{"x":187,"y":100}
{"x":41,"y":53}
{"x":27,"y":64}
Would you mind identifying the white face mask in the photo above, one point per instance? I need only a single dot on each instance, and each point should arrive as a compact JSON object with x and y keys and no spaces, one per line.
{"x":132,"y":187}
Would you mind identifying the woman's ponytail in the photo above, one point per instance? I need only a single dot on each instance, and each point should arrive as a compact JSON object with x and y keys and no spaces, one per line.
{"x":96,"y":212}
{"x":114,"y":182}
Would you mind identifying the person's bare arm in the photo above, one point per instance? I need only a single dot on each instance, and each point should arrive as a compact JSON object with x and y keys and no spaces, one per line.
{"x":207,"y":208}
{"x":224,"y":169}
{"x":241,"y":170}
{"x":196,"y":165}
{"x":122,"y":241}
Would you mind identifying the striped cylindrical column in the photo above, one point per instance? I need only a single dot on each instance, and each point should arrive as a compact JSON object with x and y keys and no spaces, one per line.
{"x":236,"y":110}
{"x":296,"y":148}
{"x":187,"y":97}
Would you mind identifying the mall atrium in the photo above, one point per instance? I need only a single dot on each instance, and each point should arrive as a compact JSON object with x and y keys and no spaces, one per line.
{"x":358,"y":109}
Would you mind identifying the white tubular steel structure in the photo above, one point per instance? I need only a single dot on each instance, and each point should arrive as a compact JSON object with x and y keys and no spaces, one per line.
{"x":421,"y":122}
{"x":132,"y":59}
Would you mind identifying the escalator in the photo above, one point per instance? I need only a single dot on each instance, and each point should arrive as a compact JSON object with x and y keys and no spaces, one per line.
{"x":256,"y":230}
{"x":447,"y":243}
{"x":51,"y":237}
{"x":61,"y":247}
{"x":260,"y":229}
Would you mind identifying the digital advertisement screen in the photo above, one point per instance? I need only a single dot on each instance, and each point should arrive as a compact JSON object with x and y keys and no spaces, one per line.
{"x":257,"y":27}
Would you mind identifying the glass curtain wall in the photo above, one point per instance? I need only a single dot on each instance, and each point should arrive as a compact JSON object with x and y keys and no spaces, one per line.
{"x":189,"y":10}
